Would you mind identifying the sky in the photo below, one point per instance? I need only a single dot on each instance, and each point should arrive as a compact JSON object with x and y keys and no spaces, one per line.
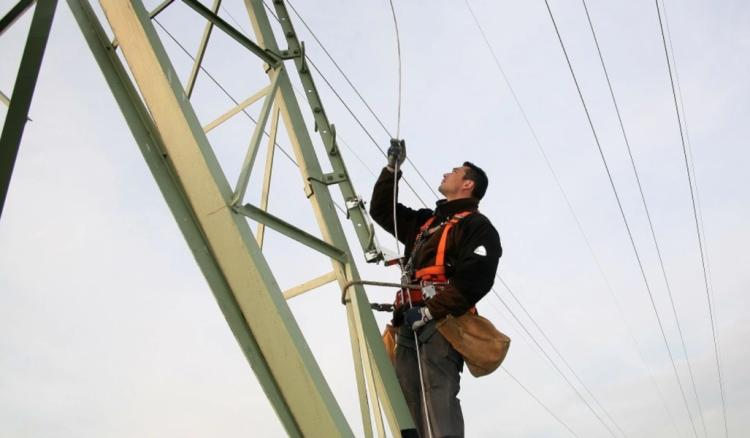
{"x":108,"y":328}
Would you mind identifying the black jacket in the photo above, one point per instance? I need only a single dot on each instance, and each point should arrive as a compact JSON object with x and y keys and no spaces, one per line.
{"x":470,"y":269}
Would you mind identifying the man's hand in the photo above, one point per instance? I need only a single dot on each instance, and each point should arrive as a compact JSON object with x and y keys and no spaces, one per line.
{"x":417,"y":317}
{"x":396,"y":153}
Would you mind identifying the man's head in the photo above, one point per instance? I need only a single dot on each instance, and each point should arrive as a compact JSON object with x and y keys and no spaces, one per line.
{"x":467,"y":181}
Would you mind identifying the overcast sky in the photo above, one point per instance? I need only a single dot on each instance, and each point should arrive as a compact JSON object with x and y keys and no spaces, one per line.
{"x":108,"y":328}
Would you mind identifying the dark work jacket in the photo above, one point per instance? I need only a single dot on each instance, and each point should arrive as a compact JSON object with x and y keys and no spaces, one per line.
{"x":470,"y":273}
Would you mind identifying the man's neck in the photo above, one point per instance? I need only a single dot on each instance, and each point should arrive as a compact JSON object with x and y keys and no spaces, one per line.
{"x":457,"y":197}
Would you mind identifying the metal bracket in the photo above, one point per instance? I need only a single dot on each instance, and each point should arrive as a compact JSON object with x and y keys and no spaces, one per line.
{"x":303,"y":68}
{"x":333,"y":148}
{"x":285,"y":55}
{"x":354,"y":203}
{"x":329,"y":178}
{"x":373,"y":256}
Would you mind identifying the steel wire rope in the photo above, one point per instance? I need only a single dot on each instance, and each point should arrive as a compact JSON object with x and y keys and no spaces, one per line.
{"x":648,"y":214}
{"x":395,"y":229}
{"x":356,"y":91}
{"x":695,"y":212}
{"x":698,"y":199}
{"x":398,"y":47}
{"x":361,"y":125}
{"x":572,"y":211}
{"x":416,"y":169}
{"x":622,"y":212}
{"x":233,"y":99}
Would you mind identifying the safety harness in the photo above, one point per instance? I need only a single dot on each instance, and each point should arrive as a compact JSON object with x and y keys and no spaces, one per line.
{"x":432,"y":279}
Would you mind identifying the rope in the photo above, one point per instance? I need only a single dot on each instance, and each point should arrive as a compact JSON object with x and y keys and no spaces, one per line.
{"x":411,"y":306}
{"x":398,"y":47}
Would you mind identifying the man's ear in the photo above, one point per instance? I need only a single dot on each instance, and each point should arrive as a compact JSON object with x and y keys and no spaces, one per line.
{"x":469,"y":184}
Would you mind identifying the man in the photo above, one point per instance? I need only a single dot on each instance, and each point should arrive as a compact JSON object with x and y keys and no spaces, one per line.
{"x":456,"y":248}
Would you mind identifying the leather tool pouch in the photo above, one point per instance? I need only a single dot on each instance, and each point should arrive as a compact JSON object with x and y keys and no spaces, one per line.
{"x":483,"y":347}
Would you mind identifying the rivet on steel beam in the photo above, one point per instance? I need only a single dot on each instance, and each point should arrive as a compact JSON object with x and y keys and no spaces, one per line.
{"x":289,"y":34}
{"x":317,"y":109}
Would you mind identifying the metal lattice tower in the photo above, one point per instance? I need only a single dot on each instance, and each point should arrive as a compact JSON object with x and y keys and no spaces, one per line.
{"x":213,"y":216}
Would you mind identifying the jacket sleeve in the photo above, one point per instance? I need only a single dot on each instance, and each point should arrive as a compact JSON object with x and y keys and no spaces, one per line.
{"x":474,"y":273}
{"x":381,"y":208}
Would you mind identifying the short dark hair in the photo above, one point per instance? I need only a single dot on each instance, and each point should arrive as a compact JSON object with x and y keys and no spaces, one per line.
{"x":474,"y":173}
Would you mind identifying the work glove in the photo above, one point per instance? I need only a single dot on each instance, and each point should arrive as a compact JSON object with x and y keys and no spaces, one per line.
{"x":417,"y":317}
{"x":396,"y":153}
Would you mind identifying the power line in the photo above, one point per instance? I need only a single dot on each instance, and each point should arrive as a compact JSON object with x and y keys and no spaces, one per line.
{"x":558,"y":353}
{"x":622,"y":212}
{"x":695,"y":215}
{"x":570,"y":207}
{"x":382,"y":125}
{"x":648,"y":214}
{"x":698,"y":199}
{"x":537,"y":400}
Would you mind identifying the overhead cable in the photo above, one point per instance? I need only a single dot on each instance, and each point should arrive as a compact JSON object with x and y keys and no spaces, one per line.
{"x":648,"y":215}
{"x":572,"y":211}
{"x":698,"y":200}
{"x":622,"y":212}
{"x":695,"y":215}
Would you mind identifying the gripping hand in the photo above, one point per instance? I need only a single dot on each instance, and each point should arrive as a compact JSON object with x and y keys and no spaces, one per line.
{"x":396,"y":153}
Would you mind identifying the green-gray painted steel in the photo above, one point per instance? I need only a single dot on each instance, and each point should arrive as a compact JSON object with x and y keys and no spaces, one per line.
{"x":20,"y":102}
{"x":201,"y":51}
{"x":291,"y":231}
{"x":14,"y":14}
{"x":271,"y":58}
{"x":260,"y":126}
{"x":158,"y":10}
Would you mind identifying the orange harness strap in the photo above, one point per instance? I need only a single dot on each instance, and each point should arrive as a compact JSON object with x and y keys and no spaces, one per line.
{"x":435,"y":273}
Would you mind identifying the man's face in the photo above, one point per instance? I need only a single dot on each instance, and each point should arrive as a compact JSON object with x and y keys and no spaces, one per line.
{"x":453,"y":182}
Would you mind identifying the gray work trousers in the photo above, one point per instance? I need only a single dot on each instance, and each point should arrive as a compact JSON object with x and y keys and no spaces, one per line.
{"x":441,"y":368}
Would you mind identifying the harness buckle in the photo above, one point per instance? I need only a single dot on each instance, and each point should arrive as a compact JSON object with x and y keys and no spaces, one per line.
{"x":428,"y":292}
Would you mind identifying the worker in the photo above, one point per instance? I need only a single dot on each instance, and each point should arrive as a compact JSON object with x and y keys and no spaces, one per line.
{"x":462,"y":271}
